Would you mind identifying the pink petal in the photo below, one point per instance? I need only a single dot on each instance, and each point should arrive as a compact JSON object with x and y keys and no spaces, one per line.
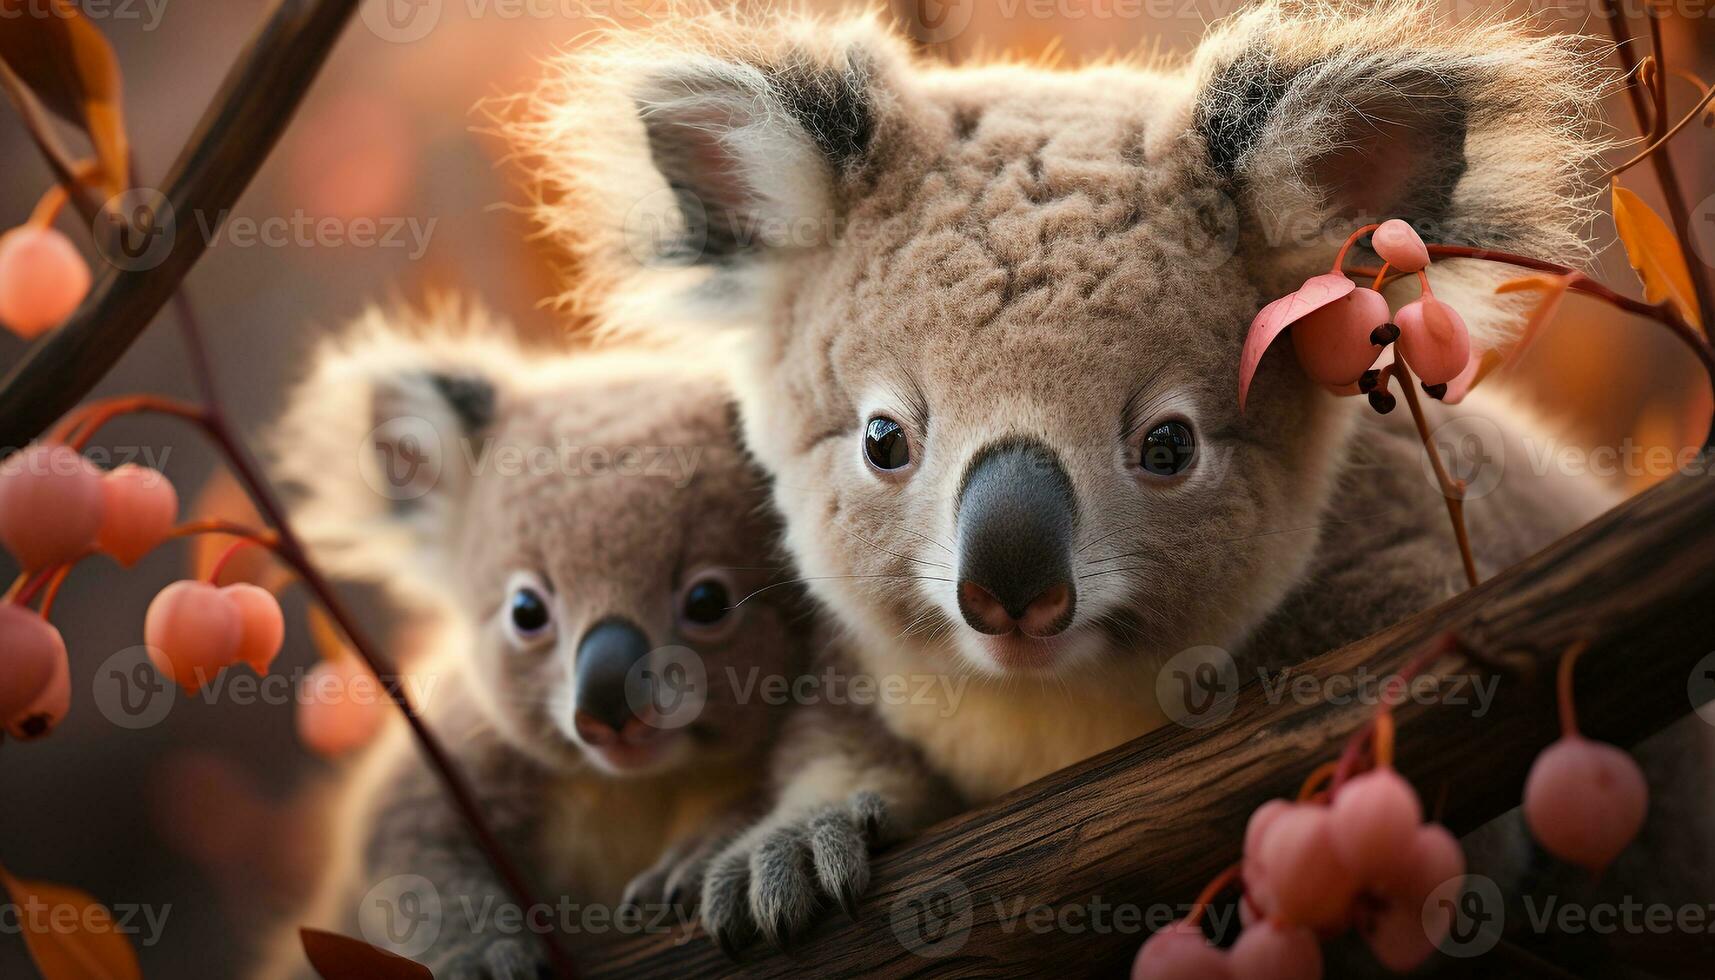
{"x":1317,"y":292}
{"x":1398,"y":245}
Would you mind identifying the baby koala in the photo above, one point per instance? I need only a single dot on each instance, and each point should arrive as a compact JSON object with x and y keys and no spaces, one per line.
{"x":601,"y":551}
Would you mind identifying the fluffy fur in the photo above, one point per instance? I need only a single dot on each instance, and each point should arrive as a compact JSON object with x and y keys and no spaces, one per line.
{"x":601,"y":543}
{"x":1006,"y":251}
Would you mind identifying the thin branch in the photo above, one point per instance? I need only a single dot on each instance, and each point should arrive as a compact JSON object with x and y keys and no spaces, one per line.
{"x":1450,"y":488}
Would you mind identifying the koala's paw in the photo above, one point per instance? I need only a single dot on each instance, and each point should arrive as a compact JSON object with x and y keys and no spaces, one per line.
{"x":675,"y":881}
{"x":775,"y":880}
{"x":512,"y":958}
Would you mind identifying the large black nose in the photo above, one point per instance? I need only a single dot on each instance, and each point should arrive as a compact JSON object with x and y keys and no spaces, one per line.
{"x":1016,"y":517}
{"x":606,"y":655}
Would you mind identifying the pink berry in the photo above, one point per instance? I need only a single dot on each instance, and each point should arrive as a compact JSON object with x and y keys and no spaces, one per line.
{"x":1399,"y":246}
{"x":42,"y":280}
{"x":50,"y":505}
{"x":44,"y":711}
{"x":1396,"y":935}
{"x":193,"y":631}
{"x":1433,"y":340}
{"x":261,"y":627}
{"x":1585,"y":801}
{"x":1266,"y":951}
{"x":140,"y":506}
{"x":1373,"y":820}
{"x":30,"y":652}
{"x":1254,"y":874}
{"x":1307,"y":884}
{"x":341,"y":707}
{"x":1179,"y":952}
{"x":1333,"y":343}
{"x":1431,"y":859}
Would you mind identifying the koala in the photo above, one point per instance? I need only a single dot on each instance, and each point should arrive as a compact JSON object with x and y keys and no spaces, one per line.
{"x":991,"y":317}
{"x":583,"y":522}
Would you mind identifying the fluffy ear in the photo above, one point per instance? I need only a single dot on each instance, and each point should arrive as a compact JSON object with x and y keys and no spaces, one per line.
{"x":707,"y":145}
{"x":376,"y":441}
{"x":1321,"y":117}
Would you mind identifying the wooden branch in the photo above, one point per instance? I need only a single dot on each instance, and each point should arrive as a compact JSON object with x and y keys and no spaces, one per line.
{"x":1150,"y":822}
{"x":235,"y":135}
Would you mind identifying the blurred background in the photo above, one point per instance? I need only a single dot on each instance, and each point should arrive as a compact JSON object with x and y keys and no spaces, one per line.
{"x":212,"y":813}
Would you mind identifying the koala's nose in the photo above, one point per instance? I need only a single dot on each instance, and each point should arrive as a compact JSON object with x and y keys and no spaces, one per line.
{"x":1016,"y":516}
{"x":606,"y":655}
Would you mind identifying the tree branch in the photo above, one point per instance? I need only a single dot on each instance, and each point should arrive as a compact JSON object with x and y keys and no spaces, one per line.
{"x":1153,"y":820}
{"x":235,"y":135}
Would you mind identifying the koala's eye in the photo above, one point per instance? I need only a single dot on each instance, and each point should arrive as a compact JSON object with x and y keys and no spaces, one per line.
{"x":529,"y":613}
{"x":885,"y":445}
{"x":707,"y":606}
{"x":1167,"y":449}
{"x":706,"y":603}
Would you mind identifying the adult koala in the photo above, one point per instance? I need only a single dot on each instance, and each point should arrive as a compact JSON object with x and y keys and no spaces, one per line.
{"x":995,"y":314}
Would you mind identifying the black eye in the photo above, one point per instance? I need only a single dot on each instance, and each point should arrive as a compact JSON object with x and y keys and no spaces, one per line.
{"x":885,"y":445}
{"x":706,"y":603}
{"x":530,"y":614}
{"x":1167,"y":449}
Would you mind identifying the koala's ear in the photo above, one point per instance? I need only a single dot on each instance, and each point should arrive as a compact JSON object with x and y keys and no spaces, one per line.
{"x":710,"y":144}
{"x":377,"y":442}
{"x":1322,"y":117}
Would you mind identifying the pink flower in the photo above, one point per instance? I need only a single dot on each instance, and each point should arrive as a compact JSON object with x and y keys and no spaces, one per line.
{"x":1334,"y":320}
{"x":1399,"y":246}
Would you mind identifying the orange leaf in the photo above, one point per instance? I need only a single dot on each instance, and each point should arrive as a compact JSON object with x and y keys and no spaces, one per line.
{"x":1654,"y":252}
{"x":70,"y":935}
{"x":338,"y":957}
{"x":70,"y":66}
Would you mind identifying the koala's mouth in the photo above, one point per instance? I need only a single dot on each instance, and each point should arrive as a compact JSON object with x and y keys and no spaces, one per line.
{"x":636,"y":749}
